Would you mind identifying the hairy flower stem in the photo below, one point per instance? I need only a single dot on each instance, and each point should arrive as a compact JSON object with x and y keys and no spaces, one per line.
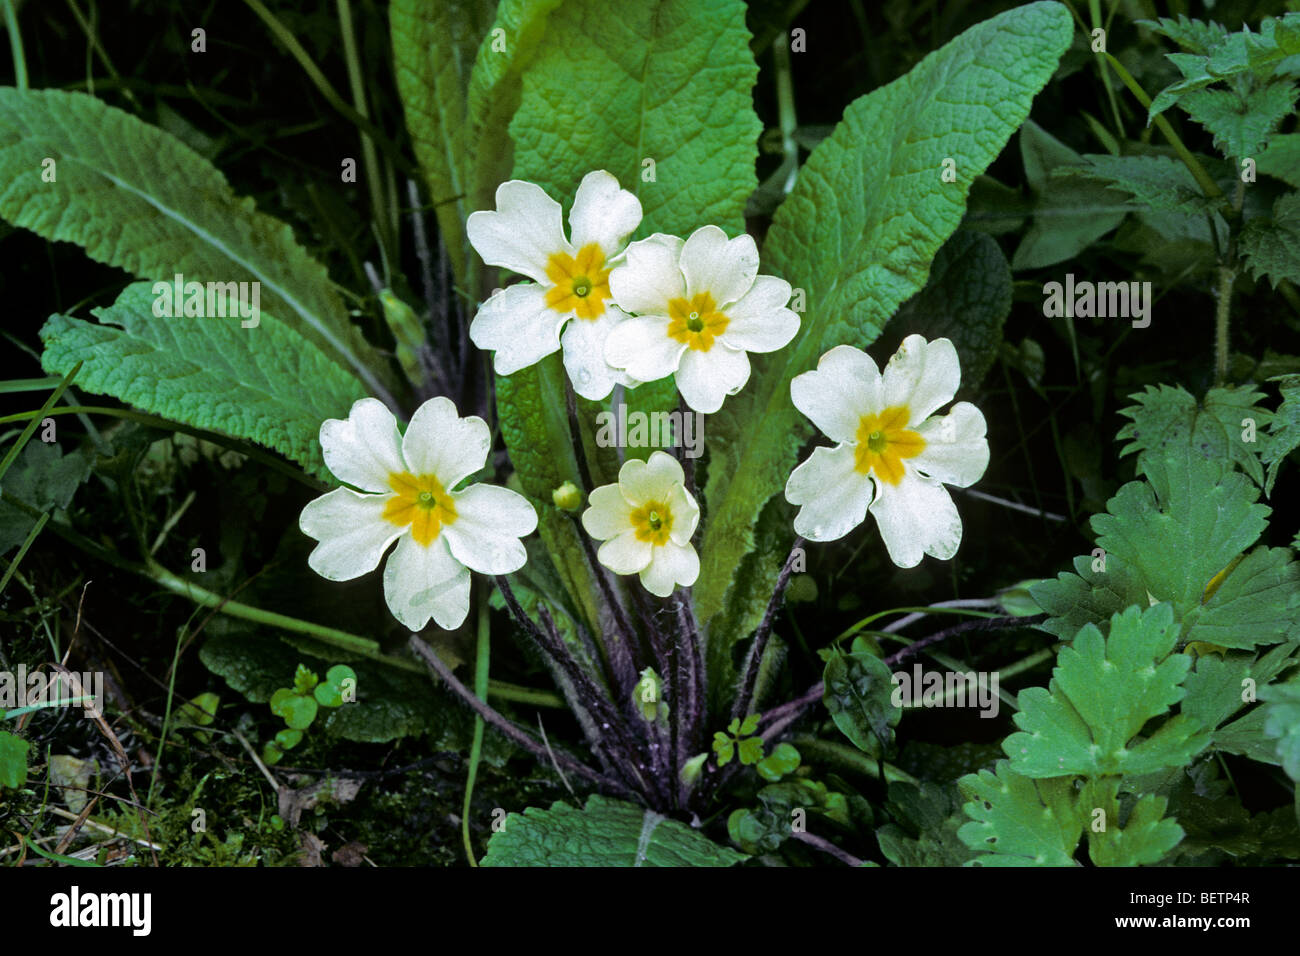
{"x":496,"y":720}
{"x":754,"y":660}
{"x":690,"y":664}
{"x":685,"y":460}
{"x":665,"y":664}
{"x":624,"y":648}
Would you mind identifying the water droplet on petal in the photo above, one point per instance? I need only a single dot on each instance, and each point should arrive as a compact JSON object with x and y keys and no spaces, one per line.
{"x":584,"y":376}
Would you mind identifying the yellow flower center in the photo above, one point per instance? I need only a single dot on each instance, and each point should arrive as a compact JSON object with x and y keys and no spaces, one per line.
{"x":883,"y":443}
{"x":420,"y":502}
{"x":697,"y":322}
{"x":653,"y":522}
{"x":581,"y":282}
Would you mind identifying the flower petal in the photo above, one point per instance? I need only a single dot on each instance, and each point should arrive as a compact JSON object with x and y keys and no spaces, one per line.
{"x":705,"y":379}
{"x":725,"y":268}
{"x":834,"y":496}
{"x":917,"y":516}
{"x":608,"y":513}
{"x":845,"y":386}
{"x":603,"y":213}
{"x":760,"y":322}
{"x":364,"y":448}
{"x":519,"y":326}
{"x":584,"y":355}
{"x":439,"y":442}
{"x":523,"y":233}
{"x":624,"y":554}
{"x":651,"y":480}
{"x":956,"y":449}
{"x":489,"y":523}
{"x":352,"y":532}
{"x":686,"y":515}
{"x":423,"y":582}
{"x":923,"y":376}
{"x":640,"y":345}
{"x":649,"y":277}
{"x":671,"y":565}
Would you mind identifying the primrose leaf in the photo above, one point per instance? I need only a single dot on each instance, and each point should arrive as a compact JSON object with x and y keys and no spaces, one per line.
{"x":1015,"y":821}
{"x":604,"y":833}
{"x":207,"y":372}
{"x":856,"y":237}
{"x":1103,"y":691}
{"x":137,"y":198}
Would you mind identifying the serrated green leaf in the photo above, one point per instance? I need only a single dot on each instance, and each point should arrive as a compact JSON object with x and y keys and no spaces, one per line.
{"x":1217,"y":688}
{"x":44,"y":478}
{"x":857,"y":234}
{"x":134,"y":197}
{"x":966,"y":300}
{"x":1271,"y":246}
{"x":1154,"y":182}
{"x":1016,"y":821}
{"x":1282,"y":723}
{"x":1281,"y":159}
{"x":13,"y":760}
{"x":1284,"y":430}
{"x":604,"y":833}
{"x":207,"y":372}
{"x":1168,"y":418}
{"x":1146,"y":837}
{"x":1103,"y":690}
{"x":929,"y":818}
{"x":1195,"y":36}
{"x":1241,"y":125}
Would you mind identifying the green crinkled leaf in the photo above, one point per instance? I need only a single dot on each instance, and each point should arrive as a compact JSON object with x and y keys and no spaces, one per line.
{"x":1282,"y":723}
{"x":434,"y":45}
{"x":1284,"y":430}
{"x":44,"y":478}
{"x":967,"y":300}
{"x":857,"y":234}
{"x":1016,"y":821}
{"x":1241,"y":125}
{"x":929,"y":818}
{"x":207,"y":372}
{"x":137,"y":198}
{"x":1271,"y":246}
{"x":604,"y":833}
{"x":858,"y":693}
{"x":1070,"y":212}
{"x":1146,"y":836}
{"x":1167,"y":417}
{"x":1103,"y":690}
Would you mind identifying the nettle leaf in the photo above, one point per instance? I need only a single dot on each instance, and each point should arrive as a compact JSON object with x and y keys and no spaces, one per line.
{"x":1179,"y":538}
{"x":208,"y":372}
{"x":1154,"y":182}
{"x":1016,"y":821}
{"x":1103,"y":690}
{"x":434,"y":45}
{"x":1169,"y":417}
{"x":1145,"y":838}
{"x":967,"y":300}
{"x":1284,"y":430}
{"x":1271,"y":246}
{"x":604,"y":833}
{"x":1070,"y":212}
{"x":1241,"y":125}
{"x":44,"y":478}
{"x":1282,"y":159}
{"x":857,"y":234}
{"x":1195,"y":36}
{"x":929,"y":817}
{"x":859,"y":696}
{"x":1282,"y":723}
{"x":137,"y":198}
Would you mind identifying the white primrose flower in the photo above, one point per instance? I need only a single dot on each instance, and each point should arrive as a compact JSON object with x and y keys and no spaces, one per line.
{"x":646,"y":521}
{"x":408,"y":480}
{"x":893,"y":457}
{"x":570,"y":287}
{"x":699,"y":306}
